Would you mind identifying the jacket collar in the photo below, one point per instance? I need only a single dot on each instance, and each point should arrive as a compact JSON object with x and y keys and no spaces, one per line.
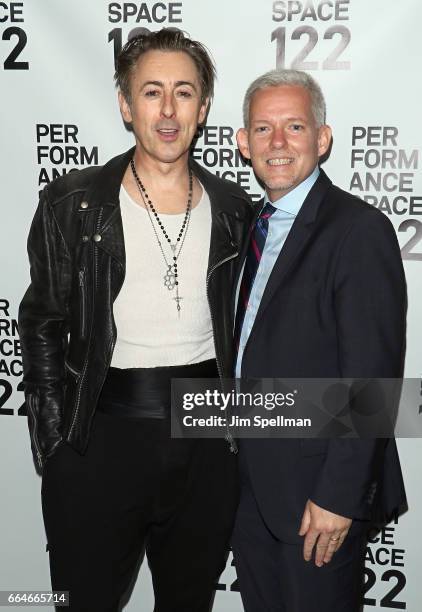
{"x":305,"y":217}
{"x":300,"y":234}
{"x":310,"y":207}
{"x":228,"y":212}
{"x":227,"y":209}
{"x":105,"y":188}
{"x":221,"y":192}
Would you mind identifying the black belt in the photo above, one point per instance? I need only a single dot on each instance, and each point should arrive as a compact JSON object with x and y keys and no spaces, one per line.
{"x":146,"y":392}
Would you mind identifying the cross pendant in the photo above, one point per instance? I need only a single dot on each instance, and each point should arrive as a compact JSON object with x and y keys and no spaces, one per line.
{"x":177,"y":300}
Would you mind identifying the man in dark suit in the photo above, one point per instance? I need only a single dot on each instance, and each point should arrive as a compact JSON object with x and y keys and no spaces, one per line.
{"x":321,"y":295}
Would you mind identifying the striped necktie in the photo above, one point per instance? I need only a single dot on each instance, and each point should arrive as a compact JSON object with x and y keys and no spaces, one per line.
{"x":253,"y":257}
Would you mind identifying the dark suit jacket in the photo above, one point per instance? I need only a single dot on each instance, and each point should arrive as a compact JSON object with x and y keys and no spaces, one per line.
{"x":334,"y":307}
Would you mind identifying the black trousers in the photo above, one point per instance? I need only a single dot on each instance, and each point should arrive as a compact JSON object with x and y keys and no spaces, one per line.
{"x":134,"y":490}
{"x":274,"y":577}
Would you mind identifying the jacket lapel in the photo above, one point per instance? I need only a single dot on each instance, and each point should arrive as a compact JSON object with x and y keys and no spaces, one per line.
{"x":299,"y":236}
{"x":243,"y":253}
{"x":227,"y":219}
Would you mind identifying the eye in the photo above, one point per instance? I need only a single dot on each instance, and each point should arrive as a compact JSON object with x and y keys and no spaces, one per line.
{"x":297,"y":127}
{"x":151,"y":93}
{"x":184,"y":93}
{"x":261,"y":129}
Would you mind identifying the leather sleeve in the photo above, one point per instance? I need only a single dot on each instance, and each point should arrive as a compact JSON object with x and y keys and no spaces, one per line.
{"x":370,"y":305}
{"x":43,"y":315}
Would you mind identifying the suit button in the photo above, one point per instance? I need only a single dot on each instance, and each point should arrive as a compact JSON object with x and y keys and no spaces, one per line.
{"x":96,"y":238}
{"x":85,"y":238}
{"x":84,"y":204}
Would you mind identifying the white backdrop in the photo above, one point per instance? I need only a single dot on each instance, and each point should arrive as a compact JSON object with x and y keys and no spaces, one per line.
{"x":59,"y":111}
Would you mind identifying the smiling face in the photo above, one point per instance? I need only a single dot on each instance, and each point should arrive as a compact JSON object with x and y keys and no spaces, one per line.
{"x":282,"y":140}
{"x":166,"y":105}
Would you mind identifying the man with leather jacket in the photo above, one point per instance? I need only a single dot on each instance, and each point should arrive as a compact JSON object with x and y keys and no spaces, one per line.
{"x":132,"y":266}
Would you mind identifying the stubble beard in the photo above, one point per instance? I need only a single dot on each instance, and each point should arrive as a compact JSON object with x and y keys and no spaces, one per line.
{"x":281,"y":185}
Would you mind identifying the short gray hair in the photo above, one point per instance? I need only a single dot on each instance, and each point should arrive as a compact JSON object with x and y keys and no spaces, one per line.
{"x":277,"y":78}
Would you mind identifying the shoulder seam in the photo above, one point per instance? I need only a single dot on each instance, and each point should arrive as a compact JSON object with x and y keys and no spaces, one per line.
{"x":67,"y":195}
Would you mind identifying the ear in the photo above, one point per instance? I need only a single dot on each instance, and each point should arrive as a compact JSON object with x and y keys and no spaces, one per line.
{"x":124,"y":108}
{"x":203,"y":111}
{"x":243,"y":142}
{"x":324,"y":139}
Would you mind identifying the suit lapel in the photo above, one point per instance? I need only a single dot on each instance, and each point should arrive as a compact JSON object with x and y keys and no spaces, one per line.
{"x":299,"y":236}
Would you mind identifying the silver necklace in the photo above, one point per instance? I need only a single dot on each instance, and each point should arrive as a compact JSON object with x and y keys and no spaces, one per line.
{"x":171,"y":277}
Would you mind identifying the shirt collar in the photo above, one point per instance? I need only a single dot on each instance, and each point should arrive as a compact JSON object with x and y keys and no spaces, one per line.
{"x":291,"y":202}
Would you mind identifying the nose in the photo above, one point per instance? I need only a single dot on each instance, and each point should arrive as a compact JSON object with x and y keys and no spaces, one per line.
{"x":167,"y":108}
{"x":278,"y":138}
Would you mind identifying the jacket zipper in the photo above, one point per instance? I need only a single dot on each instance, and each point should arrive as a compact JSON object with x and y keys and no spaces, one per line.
{"x":34,"y":430}
{"x":228,"y":436}
{"x":82,"y":306}
{"x":85,"y":366}
{"x":71,"y":369}
{"x":113,"y":344}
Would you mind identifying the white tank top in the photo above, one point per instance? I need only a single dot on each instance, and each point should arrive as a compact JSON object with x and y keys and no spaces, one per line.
{"x":150,"y":331}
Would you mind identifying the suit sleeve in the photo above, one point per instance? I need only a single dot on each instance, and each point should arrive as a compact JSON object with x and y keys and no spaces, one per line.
{"x":43,"y":316}
{"x":370,"y":307}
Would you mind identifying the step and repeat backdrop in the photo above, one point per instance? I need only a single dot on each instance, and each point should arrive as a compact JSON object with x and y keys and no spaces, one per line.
{"x":60,"y":113}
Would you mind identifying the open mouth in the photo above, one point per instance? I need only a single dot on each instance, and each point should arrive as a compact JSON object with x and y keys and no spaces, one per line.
{"x":167,"y":131}
{"x":168,"y":134}
{"x":280,"y":161}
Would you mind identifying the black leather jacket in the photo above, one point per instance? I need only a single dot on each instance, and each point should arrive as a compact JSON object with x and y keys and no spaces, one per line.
{"x":77,"y":256}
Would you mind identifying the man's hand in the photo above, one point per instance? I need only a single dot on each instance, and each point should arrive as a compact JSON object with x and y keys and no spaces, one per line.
{"x":325,"y":529}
